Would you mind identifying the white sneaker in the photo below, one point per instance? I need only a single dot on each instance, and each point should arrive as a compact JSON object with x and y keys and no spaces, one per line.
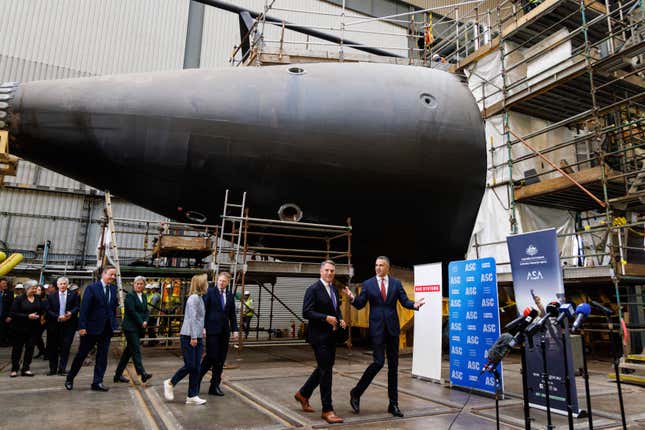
{"x":195,"y":401}
{"x":168,"y":392}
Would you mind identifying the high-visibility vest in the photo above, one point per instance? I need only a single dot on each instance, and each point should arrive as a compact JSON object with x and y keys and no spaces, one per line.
{"x":248,"y":308}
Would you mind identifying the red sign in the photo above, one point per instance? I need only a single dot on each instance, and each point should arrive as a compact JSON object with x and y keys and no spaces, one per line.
{"x":427,"y":288}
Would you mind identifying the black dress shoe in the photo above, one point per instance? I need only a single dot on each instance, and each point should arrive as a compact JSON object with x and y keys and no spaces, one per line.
{"x":120,"y":378}
{"x":99,"y":387}
{"x":27,"y":373}
{"x":394,"y":410}
{"x":69,"y":385}
{"x":145,"y":377}
{"x":355,"y":402}
{"x":51,"y":373}
{"x":216,"y":391}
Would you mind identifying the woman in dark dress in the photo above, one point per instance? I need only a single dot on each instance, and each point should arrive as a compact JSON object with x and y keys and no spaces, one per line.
{"x":25,"y":325}
{"x":41,"y":294}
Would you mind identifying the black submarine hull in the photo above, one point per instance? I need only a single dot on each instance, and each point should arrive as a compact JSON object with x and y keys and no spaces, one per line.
{"x":399,"y":149}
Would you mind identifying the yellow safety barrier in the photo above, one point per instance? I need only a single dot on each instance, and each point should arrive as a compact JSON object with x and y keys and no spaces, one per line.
{"x":11,"y":262}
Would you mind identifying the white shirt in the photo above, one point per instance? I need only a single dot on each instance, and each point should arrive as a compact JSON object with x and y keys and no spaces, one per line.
{"x":327,"y":287}
{"x":106,"y":290}
{"x":139,"y":295}
{"x":387,"y":283}
{"x":62,"y":301}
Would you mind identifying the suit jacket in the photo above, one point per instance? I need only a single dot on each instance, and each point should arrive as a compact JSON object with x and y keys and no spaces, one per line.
{"x":218,"y":320}
{"x":53,"y":306}
{"x":383,"y":315}
{"x":96,"y":311}
{"x":136,"y":313}
{"x":20,"y":310}
{"x":316,"y":306}
{"x":7,"y":301}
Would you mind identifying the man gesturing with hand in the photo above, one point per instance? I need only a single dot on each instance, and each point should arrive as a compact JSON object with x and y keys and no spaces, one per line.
{"x":382,"y":292}
{"x":321,"y":306}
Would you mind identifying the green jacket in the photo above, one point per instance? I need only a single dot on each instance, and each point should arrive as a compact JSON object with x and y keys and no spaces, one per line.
{"x":136,"y":313}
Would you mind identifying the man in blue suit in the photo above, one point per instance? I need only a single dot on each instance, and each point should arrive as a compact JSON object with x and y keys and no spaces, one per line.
{"x":382,"y":292}
{"x":96,"y":325}
{"x":218,"y":323}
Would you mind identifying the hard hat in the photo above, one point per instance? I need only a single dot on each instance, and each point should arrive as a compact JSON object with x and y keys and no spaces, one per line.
{"x":247,"y":293}
{"x":19,"y":287}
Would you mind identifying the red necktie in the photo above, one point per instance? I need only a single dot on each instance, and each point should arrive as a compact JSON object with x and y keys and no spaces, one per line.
{"x":383,"y":288}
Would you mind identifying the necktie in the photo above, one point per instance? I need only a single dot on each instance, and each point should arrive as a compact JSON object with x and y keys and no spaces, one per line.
{"x":63,"y":303}
{"x":221,"y":298}
{"x":333,"y":296}
{"x":106,"y":290}
{"x":383,"y":289}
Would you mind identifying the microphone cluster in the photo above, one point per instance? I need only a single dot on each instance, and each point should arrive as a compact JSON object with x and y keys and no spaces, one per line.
{"x":529,"y":323}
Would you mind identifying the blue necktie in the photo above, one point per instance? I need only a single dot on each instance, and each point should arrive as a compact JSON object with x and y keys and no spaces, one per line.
{"x":221,"y":298}
{"x":62,"y":304}
{"x":333,"y":296}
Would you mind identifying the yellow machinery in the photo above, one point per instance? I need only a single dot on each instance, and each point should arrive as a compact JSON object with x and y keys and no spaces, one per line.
{"x":7,"y":264}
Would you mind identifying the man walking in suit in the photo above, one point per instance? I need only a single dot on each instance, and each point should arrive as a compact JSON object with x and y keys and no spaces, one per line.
{"x":219,"y":322}
{"x":321,"y":306}
{"x":96,"y":324}
{"x":62,"y":319}
{"x":382,"y":293}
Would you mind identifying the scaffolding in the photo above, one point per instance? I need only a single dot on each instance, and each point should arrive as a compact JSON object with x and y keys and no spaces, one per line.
{"x":430,"y":37}
{"x":572,"y":70}
{"x":256,"y":251}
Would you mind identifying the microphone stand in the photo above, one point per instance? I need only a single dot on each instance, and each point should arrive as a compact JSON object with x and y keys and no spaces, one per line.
{"x":614,"y":354}
{"x":585,"y":376}
{"x":525,"y":384}
{"x":567,"y":377}
{"x":545,"y":379}
{"x":497,"y":390}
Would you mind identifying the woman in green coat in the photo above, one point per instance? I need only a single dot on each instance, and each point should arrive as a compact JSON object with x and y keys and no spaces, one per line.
{"x":135,"y":321}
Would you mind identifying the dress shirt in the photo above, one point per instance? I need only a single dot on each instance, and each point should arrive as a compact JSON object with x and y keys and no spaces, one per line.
{"x":327,"y":287}
{"x":139,"y":295}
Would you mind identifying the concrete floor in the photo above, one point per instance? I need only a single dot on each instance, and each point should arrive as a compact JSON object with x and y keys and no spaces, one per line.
{"x":259,"y":395}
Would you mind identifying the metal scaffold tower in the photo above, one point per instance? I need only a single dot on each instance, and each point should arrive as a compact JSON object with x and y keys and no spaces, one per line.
{"x":569,"y":97}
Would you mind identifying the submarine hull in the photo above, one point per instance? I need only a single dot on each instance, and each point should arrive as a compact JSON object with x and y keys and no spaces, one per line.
{"x":399,"y":149}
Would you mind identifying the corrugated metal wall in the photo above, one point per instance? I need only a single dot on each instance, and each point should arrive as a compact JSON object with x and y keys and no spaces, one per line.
{"x":291,"y":292}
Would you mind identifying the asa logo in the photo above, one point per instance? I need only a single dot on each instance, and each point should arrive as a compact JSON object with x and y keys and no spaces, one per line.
{"x":531,"y":250}
{"x":534,"y":275}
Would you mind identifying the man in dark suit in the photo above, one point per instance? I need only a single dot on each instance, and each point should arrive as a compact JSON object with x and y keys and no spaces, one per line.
{"x":6,"y":300}
{"x":382,"y":292}
{"x":96,"y":324}
{"x":218,"y":323}
{"x":62,"y":319}
{"x":321,"y":306}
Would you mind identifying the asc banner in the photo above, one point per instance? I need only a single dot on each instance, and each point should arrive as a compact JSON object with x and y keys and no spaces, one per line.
{"x":474,"y":322}
{"x":537,"y":281}
{"x":426,"y":351}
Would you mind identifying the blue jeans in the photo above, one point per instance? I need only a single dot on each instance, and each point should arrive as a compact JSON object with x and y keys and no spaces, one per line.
{"x":192,"y":357}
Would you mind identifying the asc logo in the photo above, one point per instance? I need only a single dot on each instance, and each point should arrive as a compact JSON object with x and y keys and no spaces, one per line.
{"x":531,"y":250}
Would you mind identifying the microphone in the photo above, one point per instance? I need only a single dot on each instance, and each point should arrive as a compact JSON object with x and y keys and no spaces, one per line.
{"x":520,"y":323}
{"x":582,"y":311}
{"x":553,"y":309}
{"x":536,"y":325}
{"x":608,"y":312}
{"x":498,"y":351}
{"x":566,"y":311}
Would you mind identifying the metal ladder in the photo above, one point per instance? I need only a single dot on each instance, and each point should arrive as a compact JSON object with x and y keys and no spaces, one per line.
{"x":113,"y":246}
{"x":230,"y":239}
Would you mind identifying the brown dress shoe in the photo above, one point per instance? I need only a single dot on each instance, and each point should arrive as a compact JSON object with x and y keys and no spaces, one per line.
{"x":304,"y":402}
{"x":331,"y":417}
